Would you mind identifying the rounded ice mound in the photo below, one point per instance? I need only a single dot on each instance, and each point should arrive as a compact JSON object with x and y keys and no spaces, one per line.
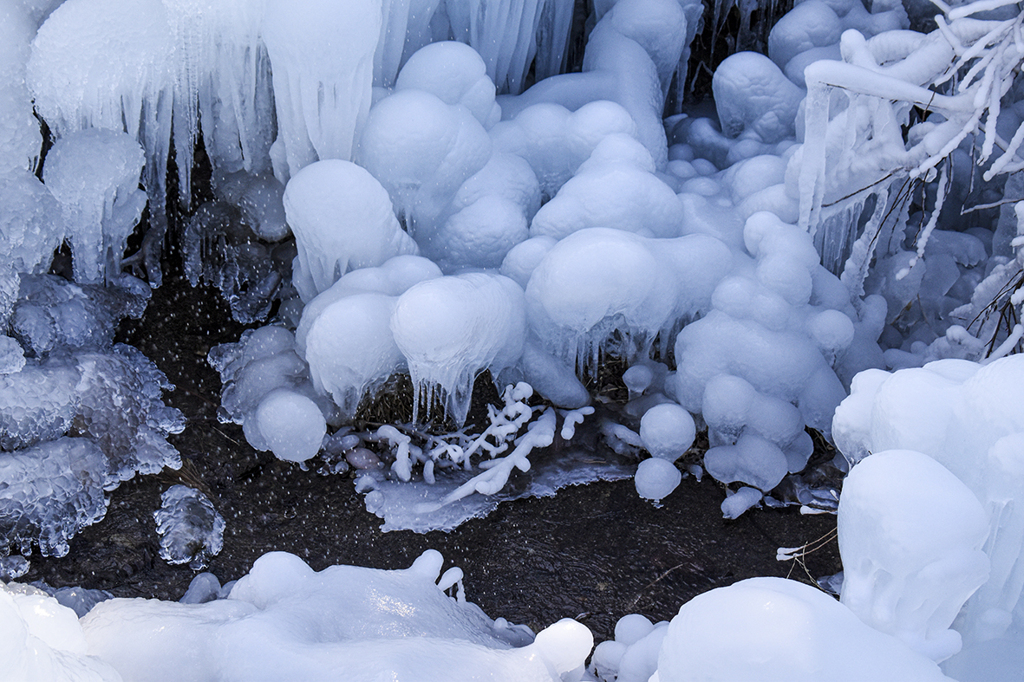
{"x":555,"y":141}
{"x":291,"y":424}
{"x":598,"y":281}
{"x":392,"y":277}
{"x":910,"y":535}
{"x":452,"y":328}
{"x":667,"y":431}
{"x":613,"y":193}
{"x":456,"y":74}
{"x":422,"y":150}
{"x":94,"y":174}
{"x":753,"y":95}
{"x":808,"y":25}
{"x":350,"y":348}
{"x":777,"y":629}
{"x":753,"y":459}
{"x":342,"y":219}
{"x":656,"y":478}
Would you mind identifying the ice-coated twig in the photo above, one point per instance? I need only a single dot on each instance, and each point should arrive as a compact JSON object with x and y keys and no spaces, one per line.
{"x":541,"y":434}
{"x":572,"y":418}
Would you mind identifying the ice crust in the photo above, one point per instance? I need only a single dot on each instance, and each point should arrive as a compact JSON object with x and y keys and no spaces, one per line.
{"x":284,"y":619}
{"x":191,"y":531}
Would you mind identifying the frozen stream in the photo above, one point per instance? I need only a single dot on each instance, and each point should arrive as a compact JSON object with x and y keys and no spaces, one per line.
{"x":596,"y":550}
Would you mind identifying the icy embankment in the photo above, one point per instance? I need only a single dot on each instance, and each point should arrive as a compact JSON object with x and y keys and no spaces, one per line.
{"x":285,"y":621}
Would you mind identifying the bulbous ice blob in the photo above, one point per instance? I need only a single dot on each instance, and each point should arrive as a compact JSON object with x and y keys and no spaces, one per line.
{"x":656,"y":478}
{"x":617,"y":195}
{"x":452,"y":328}
{"x":343,"y":220}
{"x":94,"y":174}
{"x":478,"y":236}
{"x":772,"y":629}
{"x":910,"y":535}
{"x":555,"y":141}
{"x":392,"y":278}
{"x":754,"y":460}
{"x":753,"y":95}
{"x":291,"y":425}
{"x":350,"y":348}
{"x":456,"y":74}
{"x":598,"y":282}
{"x":667,"y":431}
{"x":322,"y":59}
{"x":422,"y":150}
{"x":808,"y":25}
{"x":523,"y":258}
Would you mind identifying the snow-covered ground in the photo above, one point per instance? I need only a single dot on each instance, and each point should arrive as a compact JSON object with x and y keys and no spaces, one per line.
{"x":837,"y":246}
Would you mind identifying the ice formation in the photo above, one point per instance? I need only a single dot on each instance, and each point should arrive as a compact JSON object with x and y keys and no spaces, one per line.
{"x":267,"y":389}
{"x":771,"y":628}
{"x":283,"y":620}
{"x":599,"y":281}
{"x":911,"y":554}
{"x":746,"y":263}
{"x":191,"y":531}
{"x":342,"y":220}
{"x":452,"y":328}
{"x":345,"y":332}
{"x":322,"y":58}
{"x":94,"y":174}
{"x":964,"y":415}
{"x":42,"y":640}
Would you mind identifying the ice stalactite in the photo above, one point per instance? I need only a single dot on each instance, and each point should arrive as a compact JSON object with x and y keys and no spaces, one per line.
{"x":322,"y":57}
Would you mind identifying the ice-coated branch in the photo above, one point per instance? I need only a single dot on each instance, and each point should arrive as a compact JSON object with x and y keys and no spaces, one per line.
{"x":540,"y":435}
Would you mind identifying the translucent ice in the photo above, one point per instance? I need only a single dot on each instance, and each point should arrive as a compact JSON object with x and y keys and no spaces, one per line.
{"x":20,"y":138}
{"x":94,"y":174}
{"x":51,"y":491}
{"x":342,"y":220}
{"x":191,"y":531}
{"x":322,"y":61}
{"x":452,"y":328}
{"x":52,"y":314}
{"x":31,"y":224}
